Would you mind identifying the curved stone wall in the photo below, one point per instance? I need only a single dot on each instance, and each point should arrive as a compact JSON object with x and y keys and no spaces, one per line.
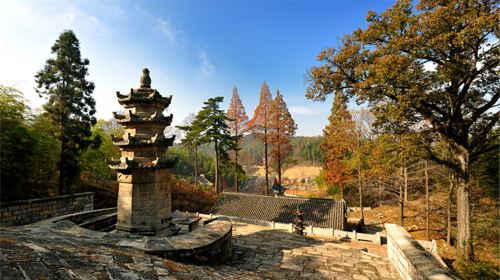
{"x":210,"y":243}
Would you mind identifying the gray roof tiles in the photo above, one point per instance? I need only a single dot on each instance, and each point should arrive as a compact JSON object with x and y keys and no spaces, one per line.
{"x":325,"y":213}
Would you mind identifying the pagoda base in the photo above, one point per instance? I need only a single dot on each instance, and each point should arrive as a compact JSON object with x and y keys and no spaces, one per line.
{"x":144,"y":202}
{"x":169,"y":230}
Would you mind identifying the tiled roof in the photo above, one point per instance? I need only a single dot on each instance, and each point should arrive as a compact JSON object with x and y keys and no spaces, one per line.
{"x":325,"y":213}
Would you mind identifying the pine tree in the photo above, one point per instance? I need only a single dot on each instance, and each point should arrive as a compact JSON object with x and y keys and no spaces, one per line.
{"x":259,"y":124}
{"x":281,"y":130}
{"x":192,"y":140}
{"x":338,"y":143}
{"x":210,"y":126}
{"x":237,"y":124}
{"x":70,"y":103}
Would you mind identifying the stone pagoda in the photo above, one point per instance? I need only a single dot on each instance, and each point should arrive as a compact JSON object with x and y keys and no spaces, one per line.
{"x":144,"y":202}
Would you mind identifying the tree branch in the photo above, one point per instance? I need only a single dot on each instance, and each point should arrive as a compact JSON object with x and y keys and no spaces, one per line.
{"x":477,"y":113}
{"x":444,"y":162}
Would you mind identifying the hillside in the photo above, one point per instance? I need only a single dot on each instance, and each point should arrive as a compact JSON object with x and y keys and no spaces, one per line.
{"x":485,"y":226}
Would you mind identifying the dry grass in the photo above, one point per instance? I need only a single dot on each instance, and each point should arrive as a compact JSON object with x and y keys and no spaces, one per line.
{"x":187,"y":197}
{"x":293,"y":173}
{"x":486,"y":225}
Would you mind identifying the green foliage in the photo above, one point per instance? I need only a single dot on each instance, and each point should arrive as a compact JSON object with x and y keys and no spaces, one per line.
{"x":331,"y":189}
{"x":45,"y":155}
{"x":28,"y":151}
{"x":305,"y":150}
{"x":185,"y":164}
{"x":485,"y":172}
{"x":70,"y":103}
{"x":93,"y":159}
{"x":16,"y":142}
{"x":308,"y":149}
{"x":476,"y":270}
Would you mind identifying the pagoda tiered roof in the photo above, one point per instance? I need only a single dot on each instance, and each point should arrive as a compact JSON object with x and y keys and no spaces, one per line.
{"x":133,"y":118}
{"x":143,"y":95}
{"x":141,"y":141}
{"x":133,"y":164}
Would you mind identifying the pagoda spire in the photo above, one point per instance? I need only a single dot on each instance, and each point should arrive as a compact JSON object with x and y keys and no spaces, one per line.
{"x":145,"y":79}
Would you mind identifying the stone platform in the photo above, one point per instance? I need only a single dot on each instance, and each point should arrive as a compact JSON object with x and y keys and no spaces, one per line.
{"x":258,"y":253}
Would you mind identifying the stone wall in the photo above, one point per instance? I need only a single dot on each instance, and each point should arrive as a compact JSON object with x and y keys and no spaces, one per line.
{"x":309,"y":229}
{"x":23,"y":212}
{"x":410,"y":259}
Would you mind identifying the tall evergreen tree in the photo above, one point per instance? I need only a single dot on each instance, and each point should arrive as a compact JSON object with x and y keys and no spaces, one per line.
{"x":70,"y":103}
{"x":211,"y":126}
{"x":237,"y":124}
{"x":338,"y":143}
{"x":281,"y":130}
{"x":259,"y":123}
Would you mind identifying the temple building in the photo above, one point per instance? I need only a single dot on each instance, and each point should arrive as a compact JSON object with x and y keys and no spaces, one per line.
{"x":144,"y":201}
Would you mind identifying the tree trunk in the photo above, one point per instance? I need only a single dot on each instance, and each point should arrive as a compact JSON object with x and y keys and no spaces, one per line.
{"x":362,"y":219}
{"x":236,"y":175}
{"x":265,"y":160}
{"x":464,"y":232}
{"x":61,"y":166}
{"x":279,"y":170}
{"x":196,"y":166}
{"x":217,"y":179}
{"x":401,"y":202}
{"x":236,"y":152}
{"x":427,"y":208}
{"x":450,"y":193}
{"x":406,"y":183}
{"x":380,"y":188}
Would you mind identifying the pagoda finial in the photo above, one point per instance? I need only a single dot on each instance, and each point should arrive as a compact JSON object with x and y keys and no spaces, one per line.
{"x":145,"y":79}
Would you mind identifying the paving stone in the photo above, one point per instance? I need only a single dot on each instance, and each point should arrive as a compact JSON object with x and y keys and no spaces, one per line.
{"x":119,"y":273}
{"x":64,"y":274}
{"x":70,"y":256}
{"x":123,"y":259}
{"x":51,"y":259}
{"x":10,"y":272}
{"x":34,"y":270}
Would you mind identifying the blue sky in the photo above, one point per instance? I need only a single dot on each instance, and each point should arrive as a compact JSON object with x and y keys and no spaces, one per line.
{"x":194,"y":49}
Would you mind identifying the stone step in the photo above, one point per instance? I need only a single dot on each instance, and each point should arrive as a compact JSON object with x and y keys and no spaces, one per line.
{"x":100,"y":222}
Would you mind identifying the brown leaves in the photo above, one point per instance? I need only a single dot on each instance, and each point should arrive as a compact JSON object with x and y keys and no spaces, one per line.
{"x":236,"y":114}
{"x":281,"y":129}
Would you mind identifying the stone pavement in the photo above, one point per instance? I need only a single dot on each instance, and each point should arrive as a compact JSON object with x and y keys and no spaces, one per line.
{"x":258,"y":253}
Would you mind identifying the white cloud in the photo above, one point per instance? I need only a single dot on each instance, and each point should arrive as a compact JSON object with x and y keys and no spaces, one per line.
{"x":167,"y":30}
{"x":207,"y":69}
{"x":31,"y":29}
{"x":303,"y":110}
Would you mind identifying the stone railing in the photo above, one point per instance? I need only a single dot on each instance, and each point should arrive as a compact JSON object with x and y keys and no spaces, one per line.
{"x":327,"y":232}
{"x":410,"y":259}
{"x":24,"y":212}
